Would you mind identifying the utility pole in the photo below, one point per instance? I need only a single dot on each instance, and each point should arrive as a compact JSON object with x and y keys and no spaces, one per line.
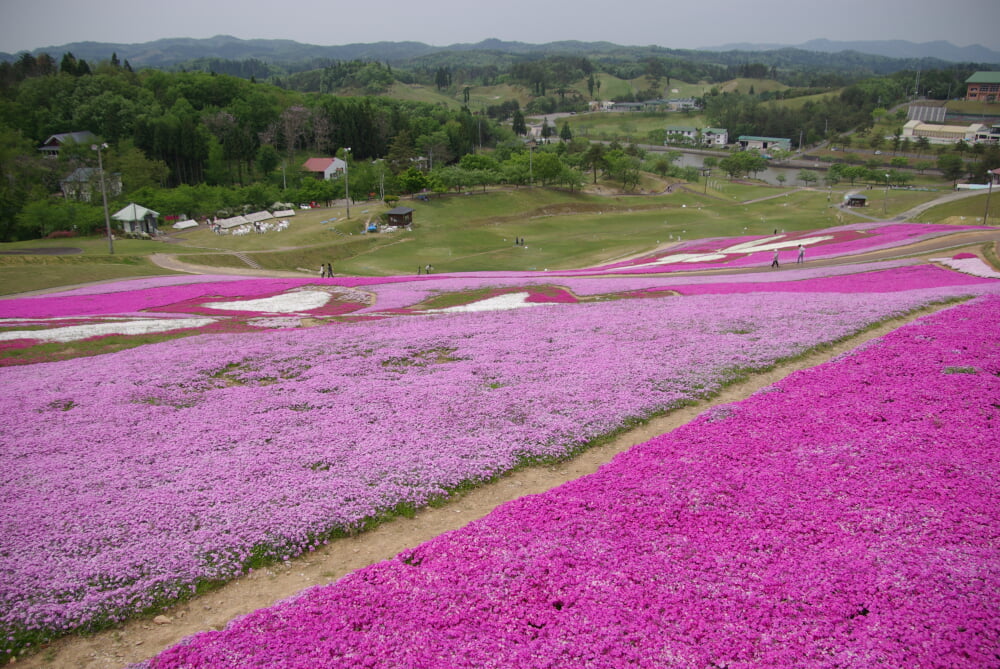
{"x":104,"y":196}
{"x":986,"y":214}
{"x":347,"y":182}
{"x":531,"y":171}
{"x":885,"y":198}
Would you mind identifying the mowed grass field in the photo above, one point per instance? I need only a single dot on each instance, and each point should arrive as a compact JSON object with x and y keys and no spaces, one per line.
{"x":628,"y":127}
{"x":476,"y":232}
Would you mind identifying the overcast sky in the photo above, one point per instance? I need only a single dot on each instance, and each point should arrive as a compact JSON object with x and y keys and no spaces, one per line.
{"x":32,"y":24}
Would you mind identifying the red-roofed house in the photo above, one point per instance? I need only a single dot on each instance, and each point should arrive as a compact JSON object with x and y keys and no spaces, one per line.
{"x":325,"y":168}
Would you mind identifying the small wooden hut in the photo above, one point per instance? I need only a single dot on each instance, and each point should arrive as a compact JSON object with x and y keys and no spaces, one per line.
{"x":400,"y":216}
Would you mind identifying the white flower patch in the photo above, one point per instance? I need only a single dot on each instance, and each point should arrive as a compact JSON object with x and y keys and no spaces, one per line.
{"x":498,"y":303}
{"x":771,"y":243}
{"x":973,"y":266}
{"x":687,"y":257}
{"x":286,"y":303}
{"x":749,"y":247}
{"x":136,"y":327}
{"x":280,"y":322}
{"x":765,"y":244}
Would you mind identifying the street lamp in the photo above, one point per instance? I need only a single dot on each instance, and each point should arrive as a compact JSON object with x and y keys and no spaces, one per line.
{"x":104,"y":195}
{"x":347,"y":182}
{"x":885,"y":198}
{"x":989,"y":175}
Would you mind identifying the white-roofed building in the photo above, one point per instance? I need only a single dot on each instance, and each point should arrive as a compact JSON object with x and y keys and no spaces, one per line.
{"x":942,"y":134}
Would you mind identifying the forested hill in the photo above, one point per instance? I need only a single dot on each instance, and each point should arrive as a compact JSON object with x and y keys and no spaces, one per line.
{"x":287,"y":56}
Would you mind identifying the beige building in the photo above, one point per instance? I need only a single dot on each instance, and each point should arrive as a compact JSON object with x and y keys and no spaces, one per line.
{"x":942,"y":134}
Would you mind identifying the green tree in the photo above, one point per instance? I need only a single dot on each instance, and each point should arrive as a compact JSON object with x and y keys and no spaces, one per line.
{"x":952,"y":167}
{"x":661,"y":166}
{"x":625,"y":168}
{"x":565,"y":134}
{"x":546,"y":130}
{"x":517,"y":123}
{"x":547,"y":167}
{"x":412,"y":180}
{"x":23,"y":176}
{"x":136,"y":169}
{"x":594,"y":159}
{"x":923,"y":144}
{"x":267,"y":159}
{"x":742,"y":163}
{"x":216,"y":169}
{"x":807,"y":177}
{"x":40,"y":218}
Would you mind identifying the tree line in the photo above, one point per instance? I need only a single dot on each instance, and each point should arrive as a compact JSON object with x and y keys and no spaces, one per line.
{"x":171,"y":129}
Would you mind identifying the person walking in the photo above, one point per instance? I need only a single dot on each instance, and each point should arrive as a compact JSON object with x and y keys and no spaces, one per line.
{"x":802,"y":255}
{"x":329,"y":271}
{"x":774,"y":261}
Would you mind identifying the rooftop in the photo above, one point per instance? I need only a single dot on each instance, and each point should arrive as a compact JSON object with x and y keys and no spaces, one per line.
{"x":984,"y":78}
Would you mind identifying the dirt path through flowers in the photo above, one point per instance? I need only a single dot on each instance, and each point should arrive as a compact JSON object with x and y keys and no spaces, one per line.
{"x":141,"y":639}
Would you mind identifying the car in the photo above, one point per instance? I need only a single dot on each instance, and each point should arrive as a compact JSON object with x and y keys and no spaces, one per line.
{"x":878,"y":153}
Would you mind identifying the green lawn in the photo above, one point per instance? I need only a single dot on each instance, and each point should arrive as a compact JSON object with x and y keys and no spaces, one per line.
{"x":475,"y":232}
{"x":564,"y":230}
{"x":19,"y":274}
{"x":629,"y":126}
{"x":967,"y":211}
{"x":743,"y":85}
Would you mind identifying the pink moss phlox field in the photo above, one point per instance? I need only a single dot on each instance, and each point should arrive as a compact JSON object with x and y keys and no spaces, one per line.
{"x":846,"y":240}
{"x":897,"y":279}
{"x":119,"y":297}
{"x":396,"y":296}
{"x":132,"y":476}
{"x":846,"y":517}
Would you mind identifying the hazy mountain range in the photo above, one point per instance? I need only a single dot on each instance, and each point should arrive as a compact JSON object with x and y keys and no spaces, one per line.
{"x":166,"y":53}
{"x":890,"y":48}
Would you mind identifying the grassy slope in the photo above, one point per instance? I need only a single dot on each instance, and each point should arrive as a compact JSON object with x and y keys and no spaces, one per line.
{"x":475,"y":232}
{"x":629,"y":126}
{"x":743,"y":85}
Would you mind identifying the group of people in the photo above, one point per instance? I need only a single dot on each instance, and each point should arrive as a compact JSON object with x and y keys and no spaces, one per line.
{"x":518,"y":241}
{"x":800,"y":259}
{"x":326,"y":271}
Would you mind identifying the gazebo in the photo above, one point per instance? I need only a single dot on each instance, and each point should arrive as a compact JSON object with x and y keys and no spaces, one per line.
{"x":136,"y":219}
{"x":400,"y":216}
{"x":856,"y":200}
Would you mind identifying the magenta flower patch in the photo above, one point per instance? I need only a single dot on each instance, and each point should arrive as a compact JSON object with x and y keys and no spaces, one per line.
{"x":845,"y":517}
